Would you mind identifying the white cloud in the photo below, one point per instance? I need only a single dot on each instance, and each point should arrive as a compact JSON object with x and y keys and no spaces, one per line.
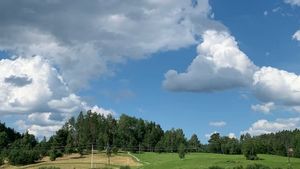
{"x":265,"y":126}
{"x":100,"y":110}
{"x":43,"y":119}
{"x":220,"y":65}
{"x":293,"y":2}
{"x":76,"y":42}
{"x":231,"y":135}
{"x":278,"y":86}
{"x":265,"y":13}
{"x":83,"y":39}
{"x":32,"y":87}
{"x":264,"y":108}
{"x":38,"y":130}
{"x":296,"y":35}
{"x":218,"y":123}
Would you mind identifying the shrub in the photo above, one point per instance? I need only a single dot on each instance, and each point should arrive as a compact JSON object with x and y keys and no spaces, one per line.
{"x":215,"y":167}
{"x":22,"y":157}
{"x":54,"y":154}
{"x":257,"y":166}
{"x":125,"y":167}
{"x":181,"y":151}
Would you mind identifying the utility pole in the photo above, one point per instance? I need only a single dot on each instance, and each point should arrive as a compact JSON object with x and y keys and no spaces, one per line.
{"x":92,"y":156}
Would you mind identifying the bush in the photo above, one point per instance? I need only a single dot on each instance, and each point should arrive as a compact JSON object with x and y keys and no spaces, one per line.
{"x":55,"y":154}
{"x":257,"y":166}
{"x":22,"y":157}
{"x":50,"y":167}
{"x":125,"y":167}
{"x":215,"y":167}
{"x":181,"y":151}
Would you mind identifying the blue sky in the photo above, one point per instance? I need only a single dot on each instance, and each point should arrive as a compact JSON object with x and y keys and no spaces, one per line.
{"x":221,"y":66}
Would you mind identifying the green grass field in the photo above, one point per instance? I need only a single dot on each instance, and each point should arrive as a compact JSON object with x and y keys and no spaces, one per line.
{"x":205,"y":160}
{"x":162,"y":161}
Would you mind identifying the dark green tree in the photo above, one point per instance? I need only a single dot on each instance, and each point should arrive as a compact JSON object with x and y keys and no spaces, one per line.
{"x":181,"y":151}
{"x":194,"y":144}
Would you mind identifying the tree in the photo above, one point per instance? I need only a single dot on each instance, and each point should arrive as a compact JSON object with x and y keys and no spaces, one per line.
{"x":249,"y":148}
{"x":159,"y":147}
{"x":3,"y":139}
{"x":181,"y":151}
{"x":1,"y":160}
{"x":214,"y":145}
{"x":23,"y":151}
{"x":194,"y":144}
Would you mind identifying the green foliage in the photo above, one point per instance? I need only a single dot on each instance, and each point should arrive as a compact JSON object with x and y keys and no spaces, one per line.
{"x":249,"y":148}
{"x":125,"y":167}
{"x":23,"y":156}
{"x":7,"y":136}
{"x":24,"y":151}
{"x":1,"y":160}
{"x":181,"y":151}
{"x":194,"y":144}
{"x":214,"y":145}
{"x":159,"y":147}
{"x":55,"y":154}
{"x":238,"y":167}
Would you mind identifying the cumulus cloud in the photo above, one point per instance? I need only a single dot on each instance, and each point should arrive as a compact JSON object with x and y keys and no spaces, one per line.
{"x":296,"y":35}
{"x":32,"y":87}
{"x":38,"y":130}
{"x":74,"y":35}
{"x":220,"y":65}
{"x":217,"y":123}
{"x":264,"y":108}
{"x":84,"y":40}
{"x":278,"y":86}
{"x":293,"y":2}
{"x":265,"y":126}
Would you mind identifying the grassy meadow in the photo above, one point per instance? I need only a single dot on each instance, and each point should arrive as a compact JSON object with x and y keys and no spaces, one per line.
{"x":74,"y":161}
{"x":160,"y":161}
{"x":205,"y":160}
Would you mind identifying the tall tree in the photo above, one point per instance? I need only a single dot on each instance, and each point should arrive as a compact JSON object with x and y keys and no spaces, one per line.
{"x":194,"y":144}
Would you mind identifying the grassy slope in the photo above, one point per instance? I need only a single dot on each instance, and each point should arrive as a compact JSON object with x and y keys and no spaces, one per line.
{"x":204,"y":160}
{"x":73,"y":161}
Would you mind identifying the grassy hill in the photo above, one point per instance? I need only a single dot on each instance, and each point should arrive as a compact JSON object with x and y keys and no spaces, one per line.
{"x":74,"y":161}
{"x":205,"y":160}
{"x":162,"y":161}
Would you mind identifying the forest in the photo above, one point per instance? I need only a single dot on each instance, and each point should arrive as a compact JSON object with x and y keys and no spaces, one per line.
{"x":106,"y":133}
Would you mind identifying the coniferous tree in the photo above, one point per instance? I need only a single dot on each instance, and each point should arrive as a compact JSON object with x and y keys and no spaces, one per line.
{"x":194,"y":144}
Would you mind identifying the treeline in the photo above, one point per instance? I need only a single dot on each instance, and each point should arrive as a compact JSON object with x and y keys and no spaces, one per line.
{"x":106,"y":133}
{"x":282,"y":143}
{"x":127,"y":133}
